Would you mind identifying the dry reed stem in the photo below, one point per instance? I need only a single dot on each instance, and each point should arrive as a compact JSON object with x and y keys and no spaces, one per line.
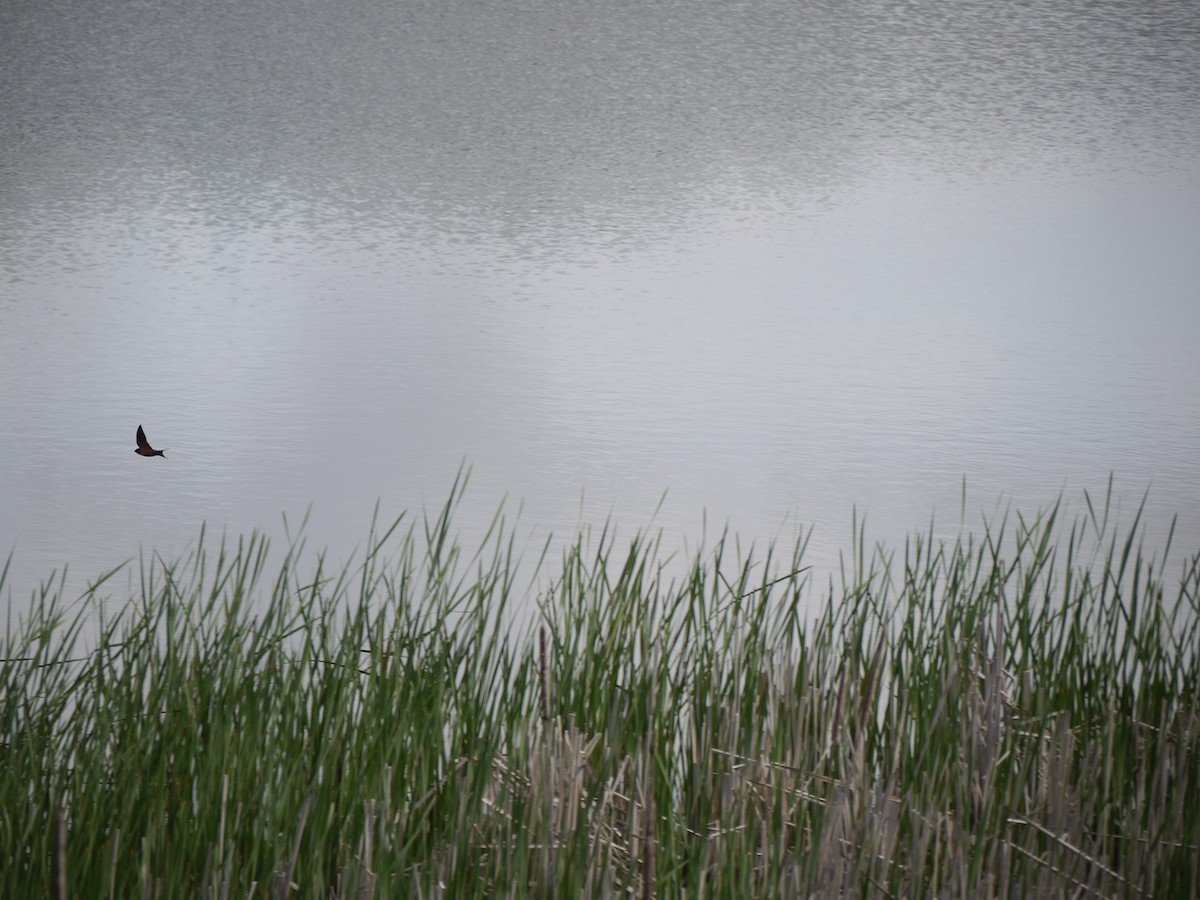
{"x":60,"y":852}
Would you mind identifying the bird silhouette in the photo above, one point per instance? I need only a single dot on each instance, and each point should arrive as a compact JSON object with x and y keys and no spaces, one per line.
{"x":144,"y":448}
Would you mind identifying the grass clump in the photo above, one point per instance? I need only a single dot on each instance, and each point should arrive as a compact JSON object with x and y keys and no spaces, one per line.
{"x":1008,"y":715}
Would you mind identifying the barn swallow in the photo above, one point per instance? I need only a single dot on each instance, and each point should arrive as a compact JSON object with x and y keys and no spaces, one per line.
{"x":144,"y":448}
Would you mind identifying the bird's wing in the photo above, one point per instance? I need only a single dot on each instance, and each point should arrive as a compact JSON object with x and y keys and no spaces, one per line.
{"x":141,"y":439}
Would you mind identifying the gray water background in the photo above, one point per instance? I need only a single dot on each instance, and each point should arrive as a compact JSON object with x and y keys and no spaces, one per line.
{"x":782,"y":261}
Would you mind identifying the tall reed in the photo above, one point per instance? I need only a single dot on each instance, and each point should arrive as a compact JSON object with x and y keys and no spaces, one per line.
{"x":1013,"y":714}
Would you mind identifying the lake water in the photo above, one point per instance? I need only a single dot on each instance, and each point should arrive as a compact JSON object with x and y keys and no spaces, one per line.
{"x":779,"y":260}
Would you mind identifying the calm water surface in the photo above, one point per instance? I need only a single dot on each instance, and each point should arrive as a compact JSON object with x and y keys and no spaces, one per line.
{"x":777,"y":259}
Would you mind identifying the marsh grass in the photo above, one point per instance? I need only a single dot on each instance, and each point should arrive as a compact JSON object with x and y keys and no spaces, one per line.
{"x":1013,"y":714}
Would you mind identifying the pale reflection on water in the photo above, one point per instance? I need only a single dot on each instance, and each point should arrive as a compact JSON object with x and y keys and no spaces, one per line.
{"x":778,"y":260}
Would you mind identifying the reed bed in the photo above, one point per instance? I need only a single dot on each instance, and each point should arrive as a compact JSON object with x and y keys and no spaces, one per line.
{"x":1012,"y":714}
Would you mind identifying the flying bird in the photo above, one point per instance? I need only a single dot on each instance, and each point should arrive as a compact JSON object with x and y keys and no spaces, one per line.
{"x":144,"y":448}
